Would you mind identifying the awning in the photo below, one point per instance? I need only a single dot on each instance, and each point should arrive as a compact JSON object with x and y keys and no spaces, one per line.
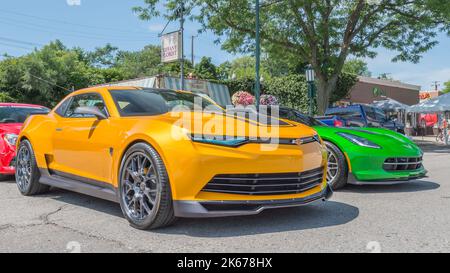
{"x":390,"y":105}
{"x":434,"y":105}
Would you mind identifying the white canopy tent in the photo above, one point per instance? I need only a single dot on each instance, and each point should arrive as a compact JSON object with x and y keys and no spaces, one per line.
{"x":389,"y":104}
{"x":439,"y":104}
{"x":434,"y":105}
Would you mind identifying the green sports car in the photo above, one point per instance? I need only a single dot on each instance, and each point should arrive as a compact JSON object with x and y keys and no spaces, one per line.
{"x":364,"y":155}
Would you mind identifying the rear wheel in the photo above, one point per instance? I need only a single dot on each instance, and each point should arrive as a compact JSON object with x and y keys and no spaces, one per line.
{"x":337,"y":171}
{"x":27,"y":171}
{"x":144,"y":190}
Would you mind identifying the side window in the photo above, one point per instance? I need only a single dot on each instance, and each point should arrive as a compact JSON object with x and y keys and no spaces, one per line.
{"x":61,"y":110}
{"x":370,"y":113}
{"x":381,"y":116}
{"x":90,"y":99}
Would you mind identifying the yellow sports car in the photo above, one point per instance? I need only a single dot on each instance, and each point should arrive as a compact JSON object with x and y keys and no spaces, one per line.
{"x":129,"y":145}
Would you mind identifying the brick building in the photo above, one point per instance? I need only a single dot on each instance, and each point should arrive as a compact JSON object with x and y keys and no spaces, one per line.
{"x":368,"y":90}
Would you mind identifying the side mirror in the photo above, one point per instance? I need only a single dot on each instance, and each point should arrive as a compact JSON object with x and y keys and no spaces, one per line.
{"x":90,"y":110}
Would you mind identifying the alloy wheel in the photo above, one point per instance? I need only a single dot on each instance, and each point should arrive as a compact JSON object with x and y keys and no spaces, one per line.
{"x":23,"y":168}
{"x":140,"y":186}
{"x":333,"y":166}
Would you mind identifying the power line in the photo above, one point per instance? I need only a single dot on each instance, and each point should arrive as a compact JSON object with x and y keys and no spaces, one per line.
{"x":61,"y":32}
{"x":71,"y":23}
{"x":19,"y":41}
{"x":49,"y":82}
{"x":15,"y":46}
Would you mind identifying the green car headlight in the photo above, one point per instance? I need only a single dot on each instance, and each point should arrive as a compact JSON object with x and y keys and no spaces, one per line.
{"x":359,"y":141}
{"x":219,"y":140}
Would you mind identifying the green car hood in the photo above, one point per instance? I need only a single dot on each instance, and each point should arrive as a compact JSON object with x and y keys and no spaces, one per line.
{"x":389,"y":141}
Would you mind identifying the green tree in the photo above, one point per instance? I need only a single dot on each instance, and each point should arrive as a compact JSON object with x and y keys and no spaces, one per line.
{"x":321,"y":32}
{"x":357,"y":67}
{"x":140,"y":63}
{"x":103,"y":56}
{"x":446,"y":87}
{"x":205,"y":69}
{"x":244,"y":67}
{"x":46,"y":75}
{"x":147,"y":62}
{"x":224,"y":71}
{"x":5,"y":97}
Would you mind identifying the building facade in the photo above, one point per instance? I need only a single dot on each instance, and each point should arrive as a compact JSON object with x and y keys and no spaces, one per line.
{"x":368,"y":90}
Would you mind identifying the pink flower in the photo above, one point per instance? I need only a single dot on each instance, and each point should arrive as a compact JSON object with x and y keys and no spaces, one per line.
{"x":242,"y":98}
{"x":268,"y":100}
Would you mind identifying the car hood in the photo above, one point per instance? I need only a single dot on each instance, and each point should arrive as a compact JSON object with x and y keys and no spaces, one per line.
{"x":237,"y":126}
{"x":12,"y":128}
{"x":385,"y":138}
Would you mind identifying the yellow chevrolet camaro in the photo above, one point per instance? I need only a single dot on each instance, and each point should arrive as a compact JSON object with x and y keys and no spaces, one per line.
{"x":132,"y":146}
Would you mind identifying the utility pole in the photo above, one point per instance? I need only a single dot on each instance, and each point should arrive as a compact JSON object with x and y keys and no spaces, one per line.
{"x":436,"y":85}
{"x":257,"y":56}
{"x":182,"y":44}
{"x":192,"y":49}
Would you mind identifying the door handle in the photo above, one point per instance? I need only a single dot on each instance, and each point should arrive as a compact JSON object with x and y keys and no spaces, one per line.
{"x":58,"y":129}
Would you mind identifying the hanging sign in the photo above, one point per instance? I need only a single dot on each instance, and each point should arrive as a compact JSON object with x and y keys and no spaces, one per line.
{"x":171,"y":47}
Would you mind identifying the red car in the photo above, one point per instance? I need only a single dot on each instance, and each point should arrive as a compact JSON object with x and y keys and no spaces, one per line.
{"x":12,"y":116}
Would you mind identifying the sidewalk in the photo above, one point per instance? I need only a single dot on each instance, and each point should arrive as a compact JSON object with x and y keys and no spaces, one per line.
{"x":429,"y":144}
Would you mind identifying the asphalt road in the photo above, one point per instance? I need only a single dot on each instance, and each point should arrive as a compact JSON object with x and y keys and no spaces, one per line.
{"x":413,"y":217}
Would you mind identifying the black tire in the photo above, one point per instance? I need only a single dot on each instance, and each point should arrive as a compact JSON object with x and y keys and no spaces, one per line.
{"x":340,"y":179}
{"x":162,"y":212}
{"x":27,"y":171}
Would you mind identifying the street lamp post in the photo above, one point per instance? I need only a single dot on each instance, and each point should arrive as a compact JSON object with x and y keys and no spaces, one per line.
{"x":257,"y":56}
{"x":181,"y":14}
{"x":310,"y":80}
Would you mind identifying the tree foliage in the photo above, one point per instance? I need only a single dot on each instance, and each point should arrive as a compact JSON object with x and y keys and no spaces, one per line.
{"x":357,"y":67}
{"x":446,"y":87}
{"x":323,"y":33}
{"x":291,"y":90}
{"x":205,"y":69}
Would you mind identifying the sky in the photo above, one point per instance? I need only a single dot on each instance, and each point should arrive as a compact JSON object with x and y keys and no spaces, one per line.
{"x":27,"y":24}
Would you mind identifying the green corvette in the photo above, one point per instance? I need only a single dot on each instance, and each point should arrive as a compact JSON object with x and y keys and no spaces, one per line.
{"x":364,"y":155}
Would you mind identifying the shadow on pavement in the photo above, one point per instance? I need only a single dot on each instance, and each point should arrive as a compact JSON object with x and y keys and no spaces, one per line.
{"x":413,"y":186}
{"x":433,"y":147}
{"x":86,"y":201}
{"x":325,"y":214}
{"x":7,"y":179}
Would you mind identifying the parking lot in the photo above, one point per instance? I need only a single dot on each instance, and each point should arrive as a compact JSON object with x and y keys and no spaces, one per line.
{"x":412,"y":217}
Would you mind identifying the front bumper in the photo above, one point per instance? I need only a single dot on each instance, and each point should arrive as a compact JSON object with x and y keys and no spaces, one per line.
{"x":7,"y":163}
{"x":387,"y":181}
{"x":203,"y":209}
{"x":368,"y":169}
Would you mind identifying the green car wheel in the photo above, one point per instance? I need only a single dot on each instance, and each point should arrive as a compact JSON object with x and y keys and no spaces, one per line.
{"x":337,"y":170}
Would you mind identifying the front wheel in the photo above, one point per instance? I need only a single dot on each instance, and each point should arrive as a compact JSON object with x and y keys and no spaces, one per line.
{"x":27,"y":171}
{"x":144,"y":190}
{"x":337,"y":171}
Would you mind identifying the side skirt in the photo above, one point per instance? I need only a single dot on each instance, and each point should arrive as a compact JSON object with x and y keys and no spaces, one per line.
{"x":78,"y":184}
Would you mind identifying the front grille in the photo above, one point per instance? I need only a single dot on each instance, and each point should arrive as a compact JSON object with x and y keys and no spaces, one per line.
{"x":265,"y":184}
{"x":402,"y":163}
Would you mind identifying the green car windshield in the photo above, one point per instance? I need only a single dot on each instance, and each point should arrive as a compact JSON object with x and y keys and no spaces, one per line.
{"x":299,"y":117}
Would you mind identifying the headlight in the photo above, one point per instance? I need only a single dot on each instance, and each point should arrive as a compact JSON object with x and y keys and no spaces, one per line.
{"x":11,"y":139}
{"x":359,"y":141}
{"x":219,"y":140}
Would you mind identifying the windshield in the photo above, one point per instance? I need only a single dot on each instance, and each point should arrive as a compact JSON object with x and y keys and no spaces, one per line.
{"x":296,"y":116}
{"x":17,"y":114}
{"x":148,"y":102}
